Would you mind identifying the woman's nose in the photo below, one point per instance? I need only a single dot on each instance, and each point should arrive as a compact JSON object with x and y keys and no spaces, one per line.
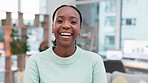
{"x":66,"y":25}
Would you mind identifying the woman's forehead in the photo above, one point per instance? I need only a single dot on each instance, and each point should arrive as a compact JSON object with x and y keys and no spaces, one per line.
{"x":68,"y":11}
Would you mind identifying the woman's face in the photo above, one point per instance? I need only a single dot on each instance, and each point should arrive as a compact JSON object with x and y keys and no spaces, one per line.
{"x":66,"y":26}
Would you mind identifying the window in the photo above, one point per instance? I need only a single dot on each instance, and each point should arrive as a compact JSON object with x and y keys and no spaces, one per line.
{"x":26,"y":6}
{"x":110,"y":21}
{"x":30,"y":6}
{"x":6,"y":5}
{"x":129,"y":21}
{"x":110,"y":6}
{"x":129,"y":2}
{"x":109,"y":40}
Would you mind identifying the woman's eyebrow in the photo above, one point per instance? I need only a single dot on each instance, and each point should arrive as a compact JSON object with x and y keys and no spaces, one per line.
{"x":71,"y":17}
{"x":59,"y":16}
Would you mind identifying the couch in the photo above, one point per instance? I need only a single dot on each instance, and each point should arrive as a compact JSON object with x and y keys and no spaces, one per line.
{"x":120,"y":77}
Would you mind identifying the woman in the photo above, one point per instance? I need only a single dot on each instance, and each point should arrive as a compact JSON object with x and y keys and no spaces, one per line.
{"x":65,"y":62}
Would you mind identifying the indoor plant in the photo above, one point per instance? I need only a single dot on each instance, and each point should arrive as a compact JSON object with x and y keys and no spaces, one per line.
{"x":18,"y":45}
{"x":3,"y":22}
{"x":19,"y":48}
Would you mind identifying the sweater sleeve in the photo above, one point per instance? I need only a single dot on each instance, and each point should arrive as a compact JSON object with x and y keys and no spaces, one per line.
{"x":31,"y":71}
{"x":99,"y":73}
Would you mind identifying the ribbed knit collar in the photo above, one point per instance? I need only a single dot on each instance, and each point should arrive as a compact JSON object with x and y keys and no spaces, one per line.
{"x":65,"y":60}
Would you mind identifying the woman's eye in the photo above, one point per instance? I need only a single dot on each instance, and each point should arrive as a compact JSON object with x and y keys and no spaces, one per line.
{"x":73,"y":22}
{"x":59,"y":21}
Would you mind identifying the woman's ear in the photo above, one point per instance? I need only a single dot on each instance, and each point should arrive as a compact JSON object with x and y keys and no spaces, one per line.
{"x":80,"y":31}
{"x":52,"y":29}
{"x":78,"y":34}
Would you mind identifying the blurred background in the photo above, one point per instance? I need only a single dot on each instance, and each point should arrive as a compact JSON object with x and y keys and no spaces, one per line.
{"x":115,"y":29}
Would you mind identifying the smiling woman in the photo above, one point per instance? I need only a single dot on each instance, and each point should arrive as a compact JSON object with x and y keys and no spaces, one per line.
{"x":65,"y":62}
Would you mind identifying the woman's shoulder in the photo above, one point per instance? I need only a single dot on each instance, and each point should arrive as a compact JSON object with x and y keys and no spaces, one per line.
{"x":39,"y":55}
{"x":91,"y":54}
{"x":87,"y":52}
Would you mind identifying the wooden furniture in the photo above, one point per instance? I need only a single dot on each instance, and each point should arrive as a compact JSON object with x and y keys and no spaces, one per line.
{"x":134,"y":65}
{"x":7,"y":38}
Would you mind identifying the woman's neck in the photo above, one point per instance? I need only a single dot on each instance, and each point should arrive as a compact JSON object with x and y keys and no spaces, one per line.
{"x":64,"y":51}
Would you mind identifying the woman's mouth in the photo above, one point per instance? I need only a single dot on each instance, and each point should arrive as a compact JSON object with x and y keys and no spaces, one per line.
{"x":65,"y":34}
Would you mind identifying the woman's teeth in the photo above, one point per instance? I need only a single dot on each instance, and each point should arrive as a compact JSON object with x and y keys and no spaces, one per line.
{"x":65,"y":34}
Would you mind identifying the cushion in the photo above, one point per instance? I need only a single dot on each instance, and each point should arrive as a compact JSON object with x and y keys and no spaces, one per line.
{"x":142,"y":81}
{"x":109,"y":75}
{"x":119,"y":79}
{"x":132,"y":78}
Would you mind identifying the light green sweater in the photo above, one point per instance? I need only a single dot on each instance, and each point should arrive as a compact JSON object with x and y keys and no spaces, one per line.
{"x":82,"y":67}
